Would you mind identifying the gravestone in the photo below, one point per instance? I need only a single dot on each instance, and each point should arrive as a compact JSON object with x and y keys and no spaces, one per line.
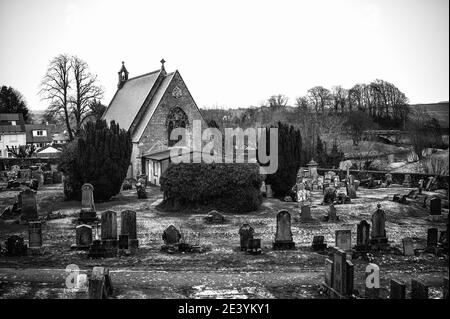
{"x":35,"y":235}
{"x":432,"y":237}
{"x":283,"y":236}
{"x":263,"y":189}
{"x":215,"y":217}
{"x":408,"y":247}
{"x":171,"y":235}
{"x":83,"y":234}
{"x":128,"y":227}
{"x":28,"y":205}
{"x":318,"y":243}
{"x":372,"y":281}
{"x":329,"y":271}
{"x":140,"y":189}
{"x":246,"y":233}
{"x":332,"y":214}
{"x":97,"y":249}
{"x":269,"y":192}
{"x":87,"y":213}
{"x":363,"y":236}
{"x":407,"y":181}
{"x":351,"y":192}
{"x":421,"y":183}
{"x":356,"y":184}
{"x":15,"y":246}
{"x":398,"y":290}
{"x":100,"y":285}
{"x":435,"y":206}
{"x":329,"y":195}
{"x":344,"y":239}
{"x":418,"y":289}
{"x":341,"y":273}
{"x":305,"y":214}
{"x":379,"y":239}
{"x":109,"y":231}
{"x":401,"y":199}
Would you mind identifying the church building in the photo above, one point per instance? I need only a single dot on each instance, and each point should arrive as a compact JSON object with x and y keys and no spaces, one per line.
{"x":150,"y":106}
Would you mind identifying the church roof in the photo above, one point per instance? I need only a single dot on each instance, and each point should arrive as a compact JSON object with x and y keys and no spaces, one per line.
{"x":129,"y":99}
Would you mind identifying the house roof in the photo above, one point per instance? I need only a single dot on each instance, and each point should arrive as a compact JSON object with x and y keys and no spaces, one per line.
{"x":39,"y":139}
{"x":48,"y":149}
{"x":7,"y":118}
{"x":129,"y":99}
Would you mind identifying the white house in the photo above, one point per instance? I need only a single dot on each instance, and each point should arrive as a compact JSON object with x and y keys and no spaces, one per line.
{"x":12,"y":132}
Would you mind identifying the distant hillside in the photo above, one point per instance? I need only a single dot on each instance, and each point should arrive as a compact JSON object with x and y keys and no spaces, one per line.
{"x":37,"y":116}
{"x":439,"y":111}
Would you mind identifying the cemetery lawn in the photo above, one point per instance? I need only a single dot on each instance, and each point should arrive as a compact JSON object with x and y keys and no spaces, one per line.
{"x":222,"y":270}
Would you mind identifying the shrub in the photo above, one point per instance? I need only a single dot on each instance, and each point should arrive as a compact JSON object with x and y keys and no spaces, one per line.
{"x":100,"y":156}
{"x":289,"y":160}
{"x":233,"y":188}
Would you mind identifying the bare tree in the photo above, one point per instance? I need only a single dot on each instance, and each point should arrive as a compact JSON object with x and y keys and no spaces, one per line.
{"x":86,"y":91}
{"x":320,"y":98}
{"x":22,"y":151}
{"x":339,"y":97}
{"x":277,"y":101}
{"x":55,"y":88}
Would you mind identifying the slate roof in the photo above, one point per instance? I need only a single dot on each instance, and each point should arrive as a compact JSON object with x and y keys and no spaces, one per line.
{"x":5,"y":123}
{"x":129,"y":99}
{"x":39,"y":139}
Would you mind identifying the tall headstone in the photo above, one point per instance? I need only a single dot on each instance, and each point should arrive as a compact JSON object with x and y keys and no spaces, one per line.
{"x":351,"y":192}
{"x":246,"y":233}
{"x":418,"y":289}
{"x":332,"y":214}
{"x":388,"y":178}
{"x":379,"y":239}
{"x":432,"y":237}
{"x":318,"y":243}
{"x":128,"y":227}
{"x":28,"y":205}
{"x":407,"y":181}
{"x":344,"y":239}
{"x":109,"y":230}
{"x":398,"y":290}
{"x":35,"y":235}
{"x":87,"y":213}
{"x":269,"y":192}
{"x":305,"y":213}
{"x":283,"y":236}
{"x":340,"y":271}
{"x":363,"y":236}
{"x":435,"y":206}
{"x":329,"y":270}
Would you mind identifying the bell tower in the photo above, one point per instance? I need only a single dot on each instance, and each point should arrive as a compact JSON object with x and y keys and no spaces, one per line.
{"x":123,"y":76}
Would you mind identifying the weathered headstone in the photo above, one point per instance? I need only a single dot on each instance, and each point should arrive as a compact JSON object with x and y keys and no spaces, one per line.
{"x":421,"y":184}
{"x":398,"y":290}
{"x":97,"y":249}
{"x":129,"y":227}
{"x":283,"y":236}
{"x":363,"y":236}
{"x":35,"y":235}
{"x":407,"y":181}
{"x":332,"y":214}
{"x":351,"y":192}
{"x":123,"y":242}
{"x":87,"y":213}
{"x":341,"y":273}
{"x":432,"y":237}
{"x":83,"y":234}
{"x":356,"y":184}
{"x":109,"y":230}
{"x":171,"y":235}
{"x":418,"y":289}
{"x":215,"y":217}
{"x":269,"y":192}
{"x":100,"y":285}
{"x":435,"y":206}
{"x":408,"y":247}
{"x":254,"y":246}
{"x":305,"y":213}
{"x":344,"y":239}
{"x":329,"y":195}
{"x":246,"y":233}
{"x":388,"y":179}
{"x":372,"y":281}
{"x":379,"y":239}
{"x":318,"y":243}
{"x":28,"y":205}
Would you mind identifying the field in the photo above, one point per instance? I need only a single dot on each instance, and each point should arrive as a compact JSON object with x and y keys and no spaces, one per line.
{"x":222,"y":270}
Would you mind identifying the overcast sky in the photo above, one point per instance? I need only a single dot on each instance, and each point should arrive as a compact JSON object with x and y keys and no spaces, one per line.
{"x":233,"y":53}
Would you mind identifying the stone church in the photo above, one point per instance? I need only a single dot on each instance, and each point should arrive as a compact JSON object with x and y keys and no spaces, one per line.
{"x":150,"y":106}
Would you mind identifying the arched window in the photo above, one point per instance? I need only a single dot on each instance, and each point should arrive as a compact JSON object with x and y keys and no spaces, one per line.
{"x":176,"y":118}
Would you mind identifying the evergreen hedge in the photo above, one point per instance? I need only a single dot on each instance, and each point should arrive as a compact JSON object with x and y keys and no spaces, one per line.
{"x":233,"y":188}
{"x":99,"y":156}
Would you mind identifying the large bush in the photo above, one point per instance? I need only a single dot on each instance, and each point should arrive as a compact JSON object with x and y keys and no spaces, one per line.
{"x":289,"y":160}
{"x":233,"y":188}
{"x":100,"y":156}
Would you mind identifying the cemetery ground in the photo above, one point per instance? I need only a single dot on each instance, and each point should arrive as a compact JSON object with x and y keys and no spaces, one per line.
{"x":221,"y":270}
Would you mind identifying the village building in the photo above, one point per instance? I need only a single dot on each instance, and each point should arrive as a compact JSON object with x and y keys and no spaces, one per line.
{"x":150,"y":106}
{"x":12,"y":132}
